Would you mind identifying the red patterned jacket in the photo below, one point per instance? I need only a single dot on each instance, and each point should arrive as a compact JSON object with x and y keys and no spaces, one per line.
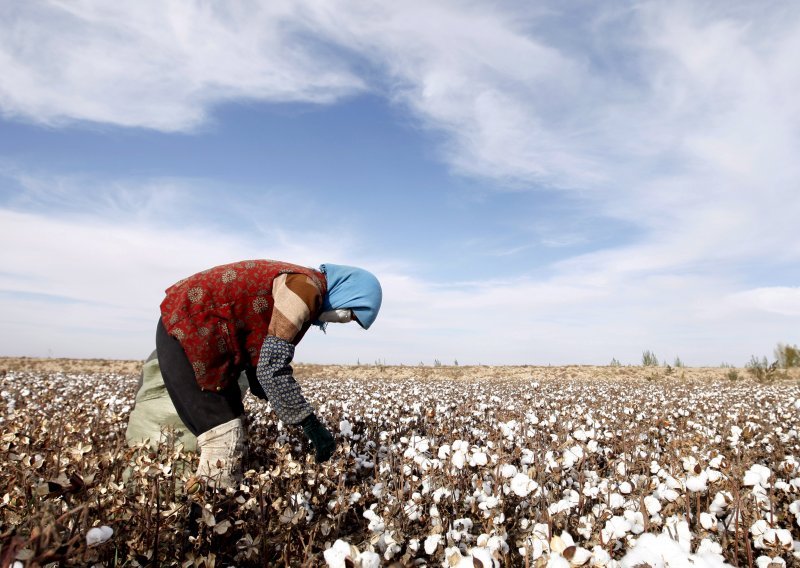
{"x":222,"y":315}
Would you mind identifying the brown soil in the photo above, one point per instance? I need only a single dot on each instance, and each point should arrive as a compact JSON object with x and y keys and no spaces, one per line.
{"x":33,"y":364}
{"x":389,"y":372}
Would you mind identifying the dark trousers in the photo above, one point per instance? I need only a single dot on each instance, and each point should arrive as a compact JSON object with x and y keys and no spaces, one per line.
{"x":199,"y":410}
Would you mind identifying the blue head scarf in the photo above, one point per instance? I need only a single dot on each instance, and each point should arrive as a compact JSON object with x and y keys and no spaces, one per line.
{"x":352,"y":288}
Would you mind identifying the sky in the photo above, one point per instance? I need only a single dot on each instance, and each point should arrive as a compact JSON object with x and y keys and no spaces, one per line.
{"x":532,"y":183}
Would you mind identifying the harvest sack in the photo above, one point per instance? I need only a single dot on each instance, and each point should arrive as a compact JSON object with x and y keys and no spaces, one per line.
{"x":154,"y":415}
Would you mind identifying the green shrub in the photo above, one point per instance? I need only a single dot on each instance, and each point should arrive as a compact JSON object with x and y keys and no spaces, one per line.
{"x":787,"y":356}
{"x":649,"y":359}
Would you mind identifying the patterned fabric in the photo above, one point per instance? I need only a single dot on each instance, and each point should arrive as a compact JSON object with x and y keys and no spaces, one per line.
{"x":222,"y":315}
{"x":274,"y":374}
{"x":295,"y":297}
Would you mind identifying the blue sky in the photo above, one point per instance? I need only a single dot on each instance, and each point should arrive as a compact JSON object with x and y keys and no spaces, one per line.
{"x":531,"y":185}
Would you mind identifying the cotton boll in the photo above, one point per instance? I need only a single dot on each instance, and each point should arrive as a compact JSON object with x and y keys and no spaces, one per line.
{"x":432,"y":543}
{"x":697,"y":483}
{"x":479,"y":459}
{"x":678,"y":530}
{"x":346,"y":429}
{"x":670,"y":495}
{"x":720,"y":503}
{"x":98,"y":535}
{"x":649,"y":551}
{"x":337,"y":555}
{"x":557,"y":561}
{"x":616,"y":527}
{"x":778,"y":538}
{"x":484,"y":555}
{"x":600,"y":556}
{"x":368,"y":559}
{"x":708,"y":547}
{"x":522,"y":485}
{"x":580,"y":557}
{"x":758,"y":530}
{"x":615,"y":501}
{"x":708,"y":522}
{"x":767,"y":562}
{"x":497,"y":544}
{"x":376,"y":523}
{"x":689,"y":464}
{"x":508,"y":471}
{"x":757,"y":475}
{"x":652,"y":505}
{"x":636,"y":520}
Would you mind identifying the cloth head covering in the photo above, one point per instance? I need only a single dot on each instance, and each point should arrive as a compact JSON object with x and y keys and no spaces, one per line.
{"x":352,"y":288}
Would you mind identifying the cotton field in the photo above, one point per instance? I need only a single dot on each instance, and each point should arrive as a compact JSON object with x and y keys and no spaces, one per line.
{"x":471,"y":466}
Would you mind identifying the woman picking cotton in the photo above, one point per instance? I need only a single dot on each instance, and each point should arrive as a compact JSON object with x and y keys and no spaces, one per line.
{"x":248,"y":317}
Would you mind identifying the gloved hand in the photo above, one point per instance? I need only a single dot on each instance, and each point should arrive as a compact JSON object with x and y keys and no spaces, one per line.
{"x":321,"y":438}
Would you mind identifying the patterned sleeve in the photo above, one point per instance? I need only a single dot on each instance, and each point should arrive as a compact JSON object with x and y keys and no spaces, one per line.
{"x":274,"y":374}
{"x":296,"y":300}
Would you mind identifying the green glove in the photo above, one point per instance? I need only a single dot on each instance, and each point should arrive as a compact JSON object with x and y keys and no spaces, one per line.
{"x":320,"y":437}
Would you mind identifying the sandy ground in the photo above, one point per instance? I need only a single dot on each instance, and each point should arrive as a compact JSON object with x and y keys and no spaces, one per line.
{"x":389,"y":372}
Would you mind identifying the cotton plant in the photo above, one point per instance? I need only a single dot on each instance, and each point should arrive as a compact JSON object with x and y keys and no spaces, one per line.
{"x":662,"y":551}
{"x":344,"y":555}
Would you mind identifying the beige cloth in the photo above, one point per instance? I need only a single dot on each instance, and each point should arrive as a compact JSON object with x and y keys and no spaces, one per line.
{"x":222,"y":451}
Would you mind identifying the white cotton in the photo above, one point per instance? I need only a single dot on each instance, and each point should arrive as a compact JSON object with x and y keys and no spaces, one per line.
{"x":720,"y":502}
{"x":345,"y":428}
{"x":708,"y":521}
{"x":615,"y":527}
{"x":432,"y":543}
{"x":580,"y":557}
{"x":600,"y":556}
{"x":709,"y":548}
{"x":652,"y":505}
{"x":337,"y":554}
{"x":615,"y":501}
{"x":689,"y":464}
{"x":767,"y":562}
{"x":757,"y":475}
{"x":678,"y":530}
{"x":479,"y":458}
{"x":557,"y":561}
{"x":523,"y":485}
{"x":670,"y":495}
{"x":98,"y":535}
{"x":369,"y":560}
{"x":697,"y":483}
{"x":508,"y":471}
{"x":778,"y":538}
{"x":660,"y":551}
{"x":376,"y":523}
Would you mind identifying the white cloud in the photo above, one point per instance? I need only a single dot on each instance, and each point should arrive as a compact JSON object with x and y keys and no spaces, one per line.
{"x":66,"y":279}
{"x":782,"y":300}
{"x":679,"y":118}
{"x":159,"y":64}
